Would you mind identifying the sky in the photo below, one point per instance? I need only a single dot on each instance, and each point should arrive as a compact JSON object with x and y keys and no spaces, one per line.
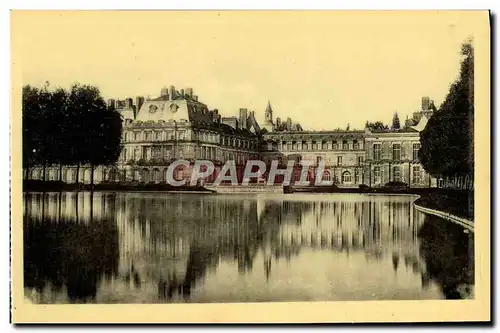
{"x":323,"y":69}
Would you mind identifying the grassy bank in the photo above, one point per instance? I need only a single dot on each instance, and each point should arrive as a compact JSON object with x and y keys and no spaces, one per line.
{"x":54,"y":186}
{"x":457,"y":202}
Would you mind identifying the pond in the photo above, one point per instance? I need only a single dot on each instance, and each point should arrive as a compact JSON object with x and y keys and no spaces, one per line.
{"x":138,"y":247}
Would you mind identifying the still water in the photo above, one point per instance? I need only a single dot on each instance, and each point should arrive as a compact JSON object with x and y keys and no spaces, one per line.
{"x":156,"y":247}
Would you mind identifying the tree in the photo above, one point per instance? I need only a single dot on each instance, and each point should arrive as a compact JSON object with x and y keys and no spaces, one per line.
{"x":395,"y":122}
{"x":97,"y":136}
{"x":447,"y":141}
{"x":69,"y":128}
{"x":376,"y":126}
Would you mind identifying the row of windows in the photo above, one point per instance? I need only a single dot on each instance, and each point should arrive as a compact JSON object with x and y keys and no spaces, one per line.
{"x":319,"y":159}
{"x":167,"y":152}
{"x":154,"y":136}
{"x":346,"y":176}
{"x":397,"y":174}
{"x":227,"y":141}
{"x":317,"y":146}
{"x":378,"y":153}
{"x":181,"y":135}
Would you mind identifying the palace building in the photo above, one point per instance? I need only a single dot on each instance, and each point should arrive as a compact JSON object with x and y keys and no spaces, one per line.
{"x":176,"y":125}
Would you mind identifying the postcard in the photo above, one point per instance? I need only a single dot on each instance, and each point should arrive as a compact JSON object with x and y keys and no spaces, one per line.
{"x":250,"y":166}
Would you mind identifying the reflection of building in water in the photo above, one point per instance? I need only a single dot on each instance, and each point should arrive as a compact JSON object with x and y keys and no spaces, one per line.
{"x":378,"y":227}
{"x":69,"y":205}
{"x":68,"y":250}
{"x":167,"y":244}
{"x":184,"y":236}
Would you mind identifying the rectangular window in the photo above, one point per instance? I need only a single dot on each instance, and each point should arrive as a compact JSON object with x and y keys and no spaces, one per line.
{"x":417,"y":174}
{"x":147,"y":136}
{"x":396,"y":152}
{"x":396,"y":173}
{"x":158,"y":135}
{"x":377,"y":151}
{"x":334,"y":145}
{"x":314,"y":146}
{"x":318,"y":159}
{"x":136,"y":136}
{"x":339,"y":160}
{"x":355,"y":145}
{"x":182,"y":135}
{"x":377,"y":176}
{"x":126,"y":137}
{"x":416,"y":148}
{"x":360,"y":160}
{"x":324,"y":146}
{"x":289,"y":146}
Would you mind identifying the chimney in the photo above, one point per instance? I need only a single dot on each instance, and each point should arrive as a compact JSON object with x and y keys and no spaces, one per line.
{"x":425,"y":103}
{"x":111,"y":103}
{"x":243,"y":118}
{"x":289,"y":124}
{"x":278,"y":122}
{"x":182,"y":92}
{"x":231,"y":121}
{"x":189,"y":92}
{"x":129,"y":103}
{"x":195,"y":97}
{"x":216,"y":111}
{"x":164,"y":92}
{"x":172,"y":92}
{"x":139,"y":100}
{"x":252,"y":114}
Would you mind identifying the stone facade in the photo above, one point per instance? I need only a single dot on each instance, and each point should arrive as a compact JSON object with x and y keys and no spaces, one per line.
{"x":176,"y":125}
{"x":341,"y":151}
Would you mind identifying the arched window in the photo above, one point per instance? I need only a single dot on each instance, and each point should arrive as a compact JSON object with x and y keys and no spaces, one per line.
{"x":112,"y":175}
{"x":52,"y":174}
{"x":145,"y":175}
{"x":69,"y":176}
{"x":156,"y":175}
{"x":346,"y":177}
{"x":345,"y":145}
{"x":86,"y":176}
{"x":327,"y":176}
{"x":355,"y":145}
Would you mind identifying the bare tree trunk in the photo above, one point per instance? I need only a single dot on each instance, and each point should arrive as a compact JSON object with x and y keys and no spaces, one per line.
{"x":44,"y":169}
{"x":60,"y":172}
{"x":77,"y":180}
{"x":92,"y":177}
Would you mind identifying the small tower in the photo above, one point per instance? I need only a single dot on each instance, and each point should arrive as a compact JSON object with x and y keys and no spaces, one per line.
{"x":269,"y":113}
{"x":268,"y":122}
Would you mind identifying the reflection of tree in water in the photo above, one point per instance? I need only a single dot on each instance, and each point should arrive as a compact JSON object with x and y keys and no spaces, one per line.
{"x":66,"y":253}
{"x":449,"y":257}
{"x":173,"y":241}
{"x":372,"y":226}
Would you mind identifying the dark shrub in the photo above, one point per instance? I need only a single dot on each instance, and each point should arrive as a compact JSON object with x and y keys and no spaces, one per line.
{"x":395,"y":184}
